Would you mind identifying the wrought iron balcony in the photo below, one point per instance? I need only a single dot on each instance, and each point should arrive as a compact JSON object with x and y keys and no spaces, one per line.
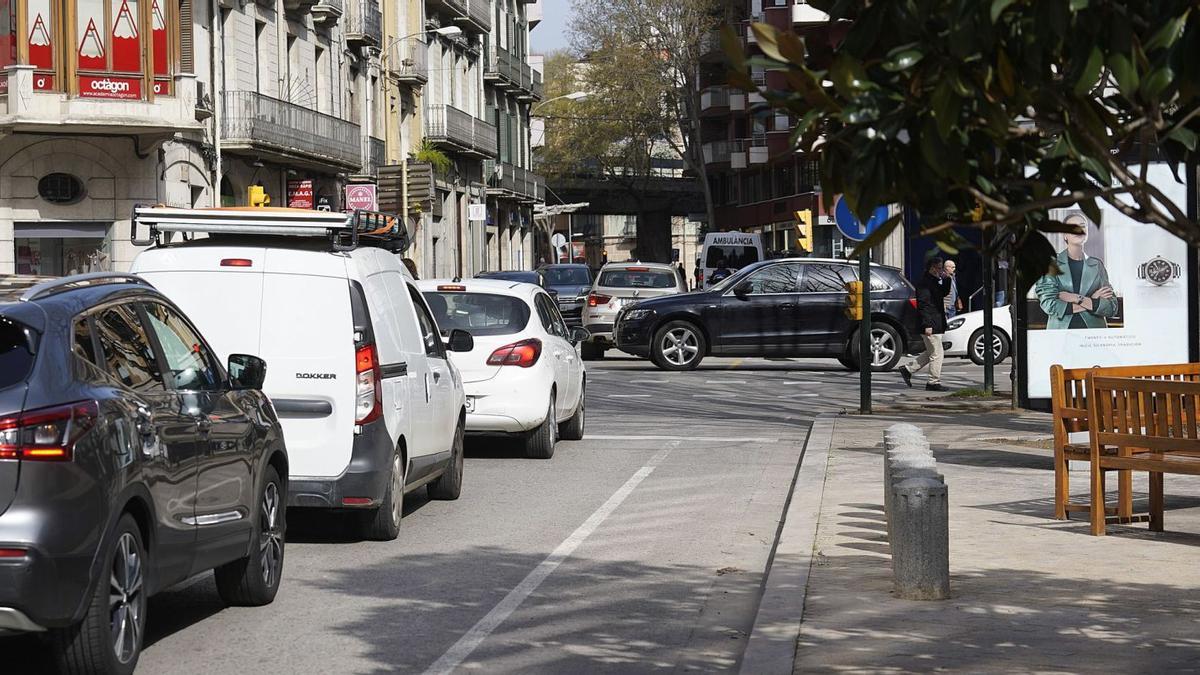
{"x":479,"y":12}
{"x":510,"y":180}
{"x":409,"y":61}
{"x":364,"y":25}
{"x":264,"y":126}
{"x":508,"y":71}
{"x":376,"y":155}
{"x":461,"y":131}
{"x":328,"y":11}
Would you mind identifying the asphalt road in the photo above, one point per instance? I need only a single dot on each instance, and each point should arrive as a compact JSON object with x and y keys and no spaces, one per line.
{"x":639,"y":549}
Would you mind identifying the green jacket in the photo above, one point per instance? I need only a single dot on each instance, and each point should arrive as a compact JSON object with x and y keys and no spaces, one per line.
{"x":1058,"y":312}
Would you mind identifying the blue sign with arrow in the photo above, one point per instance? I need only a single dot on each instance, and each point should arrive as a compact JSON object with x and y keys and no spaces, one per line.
{"x":850,"y":226}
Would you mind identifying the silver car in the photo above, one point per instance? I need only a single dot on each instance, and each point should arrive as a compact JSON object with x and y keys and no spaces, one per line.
{"x":620,"y":285}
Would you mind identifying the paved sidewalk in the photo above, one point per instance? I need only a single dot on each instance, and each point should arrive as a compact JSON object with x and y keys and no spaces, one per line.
{"x":1029,"y":594}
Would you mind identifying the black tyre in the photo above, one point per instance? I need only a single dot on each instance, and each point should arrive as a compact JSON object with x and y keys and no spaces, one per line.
{"x":886,"y":346}
{"x":109,"y":638}
{"x":572,"y":429}
{"x":448,"y":486}
{"x":590,"y":351}
{"x":539,"y":444}
{"x":383,"y":523}
{"x":1000,"y":346}
{"x":254,"y":580}
{"x":679,"y":345}
{"x":847,"y":362}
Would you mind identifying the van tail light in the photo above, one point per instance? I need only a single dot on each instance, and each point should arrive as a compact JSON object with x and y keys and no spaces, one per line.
{"x":368,"y":396}
{"x":913,"y":302}
{"x":596,"y":299}
{"x":524,"y":354}
{"x":47,"y":434}
{"x":700,"y":277}
{"x":237,"y":262}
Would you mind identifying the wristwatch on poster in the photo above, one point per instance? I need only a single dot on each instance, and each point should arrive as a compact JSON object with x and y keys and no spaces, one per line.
{"x":1159,"y":271}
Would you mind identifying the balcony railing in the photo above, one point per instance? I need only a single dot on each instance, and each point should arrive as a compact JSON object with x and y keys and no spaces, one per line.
{"x":376,"y":155}
{"x":714,"y":97}
{"x":365,"y":23}
{"x":480,"y":14}
{"x":408,"y":61}
{"x":509,"y":71}
{"x":521,"y":183}
{"x":449,"y":125}
{"x":266,"y":125}
{"x":328,"y":11}
{"x":716,"y":152}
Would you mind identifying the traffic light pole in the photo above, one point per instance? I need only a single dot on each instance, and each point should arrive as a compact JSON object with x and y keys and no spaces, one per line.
{"x":866,"y":354}
{"x":989,"y":301}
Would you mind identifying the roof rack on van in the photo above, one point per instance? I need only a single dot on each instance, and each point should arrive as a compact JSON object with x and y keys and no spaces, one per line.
{"x":345,"y":231}
{"x":53,"y":286}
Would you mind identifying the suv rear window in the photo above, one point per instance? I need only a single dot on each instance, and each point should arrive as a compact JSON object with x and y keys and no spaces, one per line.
{"x":735,"y":257}
{"x":567,"y":276}
{"x":15,"y":358}
{"x":630,"y":278}
{"x":480,"y":314}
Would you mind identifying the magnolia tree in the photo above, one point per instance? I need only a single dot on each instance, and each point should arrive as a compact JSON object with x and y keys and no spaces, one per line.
{"x":988,"y":114}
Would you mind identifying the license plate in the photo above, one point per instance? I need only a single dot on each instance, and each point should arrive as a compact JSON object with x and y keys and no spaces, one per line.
{"x":470,"y":404}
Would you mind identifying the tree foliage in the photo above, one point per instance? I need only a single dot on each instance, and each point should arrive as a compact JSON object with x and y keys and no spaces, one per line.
{"x":1018,"y":106}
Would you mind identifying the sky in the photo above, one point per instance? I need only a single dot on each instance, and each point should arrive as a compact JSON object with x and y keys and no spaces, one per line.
{"x":551,"y":33}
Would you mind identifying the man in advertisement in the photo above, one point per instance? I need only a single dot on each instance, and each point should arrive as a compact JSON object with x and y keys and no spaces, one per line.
{"x":1080,"y":295}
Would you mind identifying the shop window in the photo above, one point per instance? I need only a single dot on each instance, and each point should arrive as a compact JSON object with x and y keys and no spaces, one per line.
{"x":60,"y":188}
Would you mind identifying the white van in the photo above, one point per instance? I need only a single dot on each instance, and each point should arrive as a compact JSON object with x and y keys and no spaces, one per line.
{"x":371,"y":407}
{"x":731,"y":250}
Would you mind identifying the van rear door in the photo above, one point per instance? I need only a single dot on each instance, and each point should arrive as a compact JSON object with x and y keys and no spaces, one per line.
{"x":16,"y":362}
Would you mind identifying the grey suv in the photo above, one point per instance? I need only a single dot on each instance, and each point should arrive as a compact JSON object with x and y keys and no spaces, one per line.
{"x":129,"y":460}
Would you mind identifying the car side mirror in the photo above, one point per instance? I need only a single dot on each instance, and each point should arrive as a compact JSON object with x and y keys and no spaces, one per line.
{"x":578,"y":334}
{"x":246,"y":372}
{"x":743,"y":289}
{"x":460,"y":341}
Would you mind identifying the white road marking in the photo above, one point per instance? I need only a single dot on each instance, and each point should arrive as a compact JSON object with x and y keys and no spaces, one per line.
{"x":696,"y":439}
{"x":806,"y":395}
{"x":629,"y":396}
{"x":469,"y":642}
{"x":724,"y":382}
{"x":648,"y":381}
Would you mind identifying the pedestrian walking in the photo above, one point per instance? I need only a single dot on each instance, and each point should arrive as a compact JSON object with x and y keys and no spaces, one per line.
{"x":953,"y":303}
{"x":932,"y":289}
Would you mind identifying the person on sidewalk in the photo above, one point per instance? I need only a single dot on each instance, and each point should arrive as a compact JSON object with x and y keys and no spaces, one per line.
{"x":931,"y":294}
{"x":953,"y":302}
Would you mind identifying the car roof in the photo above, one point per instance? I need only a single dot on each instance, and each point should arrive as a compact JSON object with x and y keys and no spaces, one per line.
{"x":633,"y":263}
{"x":579,"y":265}
{"x":54,"y":299}
{"x":495,"y":286}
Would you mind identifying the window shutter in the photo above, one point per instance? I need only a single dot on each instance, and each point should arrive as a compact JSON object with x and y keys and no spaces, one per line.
{"x":187,"y":50}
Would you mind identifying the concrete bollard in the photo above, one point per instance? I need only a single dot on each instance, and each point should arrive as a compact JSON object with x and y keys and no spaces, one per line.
{"x":901,"y":456}
{"x":920,"y":539}
{"x":924,"y":469}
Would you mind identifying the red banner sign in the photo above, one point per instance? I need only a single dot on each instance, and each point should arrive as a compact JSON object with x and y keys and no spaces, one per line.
{"x":162,"y":88}
{"x":300,"y":194}
{"x":110,"y":86}
{"x":43,"y":82}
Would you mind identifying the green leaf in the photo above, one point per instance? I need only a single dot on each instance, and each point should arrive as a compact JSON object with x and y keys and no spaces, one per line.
{"x":1157,"y":82}
{"x":731,"y":44}
{"x":1096,"y":168}
{"x":1091,"y":72}
{"x":903,"y":60}
{"x":1034,"y":257}
{"x":1004,"y":69}
{"x":766,"y":34}
{"x":1185,"y":137}
{"x":1091,"y":209}
{"x":1169,"y":33}
{"x":1127,"y":76}
{"x":1058,"y":226}
{"x":1077,"y":5}
{"x":877,"y":237}
{"x":998,"y":7}
{"x":849,"y":76}
{"x":945,"y":107}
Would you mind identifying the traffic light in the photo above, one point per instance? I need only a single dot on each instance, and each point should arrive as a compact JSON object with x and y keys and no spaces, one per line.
{"x":257,"y":197}
{"x":854,"y":300}
{"x":804,"y":230}
{"x":977,"y":212}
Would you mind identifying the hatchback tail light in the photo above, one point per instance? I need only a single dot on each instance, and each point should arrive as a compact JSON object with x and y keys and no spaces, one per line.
{"x":47,"y":434}
{"x":913,"y":302}
{"x":596,"y":299}
{"x":368,"y":397}
{"x":524,"y":354}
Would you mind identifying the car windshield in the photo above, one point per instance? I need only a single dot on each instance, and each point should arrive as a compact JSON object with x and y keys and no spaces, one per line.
{"x":637,"y":278}
{"x":734,"y":257}
{"x":480,"y":314}
{"x":567,"y":276}
{"x":15,"y":358}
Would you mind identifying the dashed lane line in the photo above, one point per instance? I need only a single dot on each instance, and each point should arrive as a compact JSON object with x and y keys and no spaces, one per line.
{"x":469,"y":642}
{"x":691,"y":439}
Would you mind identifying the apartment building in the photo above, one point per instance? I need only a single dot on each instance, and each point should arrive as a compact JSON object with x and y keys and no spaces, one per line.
{"x":758,"y":181}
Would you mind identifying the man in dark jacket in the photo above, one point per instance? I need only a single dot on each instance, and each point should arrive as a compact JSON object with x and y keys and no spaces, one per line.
{"x":932,"y":289}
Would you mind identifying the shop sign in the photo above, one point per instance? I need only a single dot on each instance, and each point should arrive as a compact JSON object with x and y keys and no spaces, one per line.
{"x":162,"y":87}
{"x":110,"y":86}
{"x":361,"y":197}
{"x":43,"y":82}
{"x":300,"y":194}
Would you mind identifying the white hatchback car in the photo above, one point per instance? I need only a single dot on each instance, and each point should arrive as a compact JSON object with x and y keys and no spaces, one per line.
{"x":965,"y":335}
{"x":524,"y":375}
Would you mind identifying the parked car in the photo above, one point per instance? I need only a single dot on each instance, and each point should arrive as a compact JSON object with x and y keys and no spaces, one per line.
{"x":782,"y":308}
{"x":371,"y":406}
{"x":130,"y":460}
{"x":524,"y":376}
{"x":571,"y":283}
{"x":534,"y":277}
{"x":965,"y":335}
{"x":619,"y":285}
{"x":729,"y":252}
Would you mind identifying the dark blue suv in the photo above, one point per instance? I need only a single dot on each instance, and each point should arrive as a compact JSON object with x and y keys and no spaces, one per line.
{"x":130,"y":459}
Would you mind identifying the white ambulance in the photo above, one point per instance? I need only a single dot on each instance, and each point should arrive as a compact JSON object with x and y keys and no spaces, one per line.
{"x":731,"y":251}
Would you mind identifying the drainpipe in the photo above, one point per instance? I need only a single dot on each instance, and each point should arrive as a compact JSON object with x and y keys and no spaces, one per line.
{"x":217,"y":66}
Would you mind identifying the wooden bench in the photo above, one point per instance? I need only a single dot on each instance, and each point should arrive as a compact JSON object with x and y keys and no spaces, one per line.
{"x":1154,"y":425}
{"x":1070,"y":415}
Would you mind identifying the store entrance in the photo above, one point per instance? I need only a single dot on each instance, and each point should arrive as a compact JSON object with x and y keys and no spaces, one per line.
{"x":60,"y":249}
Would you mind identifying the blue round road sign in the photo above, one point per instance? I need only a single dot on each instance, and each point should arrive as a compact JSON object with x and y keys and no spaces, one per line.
{"x":849,"y":225}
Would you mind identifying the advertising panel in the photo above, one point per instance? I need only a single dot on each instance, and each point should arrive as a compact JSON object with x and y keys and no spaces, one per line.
{"x":110,"y":86}
{"x":1119,"y":297}
{"x":300,"y":194}
{"x":361,"y":197}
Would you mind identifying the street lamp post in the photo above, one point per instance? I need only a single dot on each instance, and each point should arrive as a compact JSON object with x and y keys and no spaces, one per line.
{"x":573,"y":96}
{"x":444,"y":31}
